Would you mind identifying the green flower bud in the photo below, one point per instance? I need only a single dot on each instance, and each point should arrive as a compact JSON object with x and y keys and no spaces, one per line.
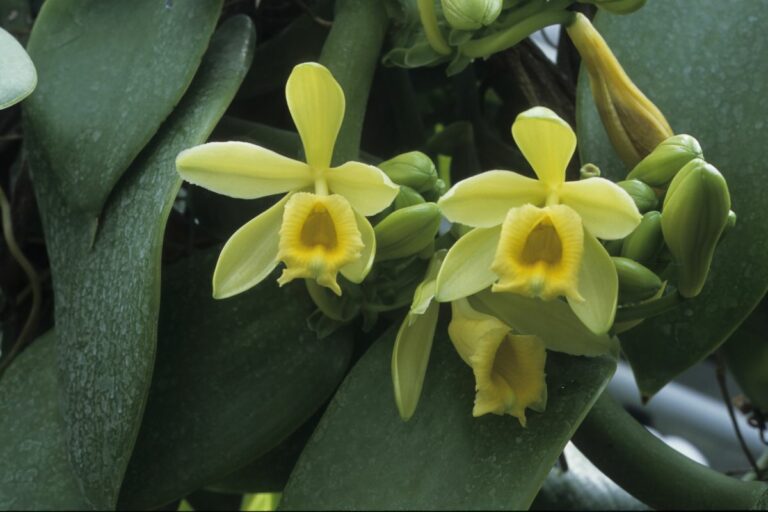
{"x":589,"y":171}
{"x":407,"y":197}
{"x":413,"y":169}
{"x":471,"y":14}
{"x":407,"y":231}
{"x":643,"y":195}
{"x":635,"y":126}
{"x":619,"y":6}
{"x":695,"y":214}
{"x":614,"y":247}
{"x":636,"y":282}
{"x":644,"y":243}
{"x":666,"y":160}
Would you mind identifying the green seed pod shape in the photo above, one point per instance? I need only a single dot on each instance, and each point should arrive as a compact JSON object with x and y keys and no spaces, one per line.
{"x":413,"y":169}
{"x":407,"y":197}
{"x":659,"y":167}
{"x":636,"y":282}
{"x":694,"y":216}
{"x":643,"y":195}
{"x":471,"y":14}
{"x":407,"y":231}
{"x":644,"y":243}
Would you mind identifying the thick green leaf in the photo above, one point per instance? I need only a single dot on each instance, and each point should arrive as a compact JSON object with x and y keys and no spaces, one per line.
{"x":582,"y":487}
{"x":747,"y":355}
{"x":106,"y":275}
{"x":233,"y":378}
{"x":17,"y":73}
{"x":362,"y":456}
{"x":674,"y":50}
{"x":110,"y":73}
{"x":34,"y":471}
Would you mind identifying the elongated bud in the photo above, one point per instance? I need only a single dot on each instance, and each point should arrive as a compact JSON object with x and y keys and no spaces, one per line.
{"x":407,"y":231}
{"x":413,"y":169}
{"x":695,"y":214}
{"x":644,"y":197}
{"x":407,"y":197}
{"x":644,"y":243}
{"x":619,"y":6}
{"x":471,"y":14}
{"x":635,"y":126}
{"x":636,"y":281}
{"x":666,"y":160}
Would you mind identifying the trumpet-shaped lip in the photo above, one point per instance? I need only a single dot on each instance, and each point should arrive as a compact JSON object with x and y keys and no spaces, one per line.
{"x":319,"y":235}
{"x":539,"y":252}
{"x":508,"y":368}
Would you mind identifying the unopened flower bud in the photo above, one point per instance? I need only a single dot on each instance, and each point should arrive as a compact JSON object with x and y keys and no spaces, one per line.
{"x":407,"y":197}
{"x":471,"y":14}
{"x":589,"y":171}
{"x":413,"y":169}
{"x":695,"y":213}
{"x":644,"y":243}
{"x":619,"y":6}
{"x":636,"y":282}
{"x":635,"y":126}
{"x":666,"y":160}
{"x":407,"y":231}
{"x":644,"y":197}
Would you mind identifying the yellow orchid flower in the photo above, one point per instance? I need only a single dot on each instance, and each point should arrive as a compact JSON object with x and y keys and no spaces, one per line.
{"x":319,"y":228}
{"x":536,"y":237}
{"x":508,"y":368}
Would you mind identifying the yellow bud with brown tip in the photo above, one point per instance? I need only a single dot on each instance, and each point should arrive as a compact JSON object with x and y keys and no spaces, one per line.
{"x":634,"y":124}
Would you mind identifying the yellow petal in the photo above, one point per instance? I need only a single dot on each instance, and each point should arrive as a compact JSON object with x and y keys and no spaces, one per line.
{"x":410,"y":357}
{"x":316,"y":102}
{"x":607,"y":211}
{"x":539,"y":252}
{"x":242,"y":170}
{"x":357,"y":270}
{"x":551,"y":320}
{"x":366,"y":187}
{"x":250,"y":254}
{"x":425,"y":293}
{"x":508,"y":368}
{"x":598,"y":285}
{"x":467,"y":266}
{"x":546,"y":141}
{"x":484,"y":200}
{"x":318,"y":236}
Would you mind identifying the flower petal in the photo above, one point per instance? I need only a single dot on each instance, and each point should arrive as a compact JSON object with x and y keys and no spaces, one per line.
{"x":598,"y":285}
{"x":607,"y":210}
{"x":366,"y":187}
{"x":484,"y":200}
{"x":546,"y":141}
{"x":358,"y":269}
{"x":509,"y":369}
{"x":467,"y":266}
{"x":552,"y":321}
{"x":316,"y":102}
{"x":250,"y":254}
{"x":425,"y":292}
{"x":410,"y":357}
{"x":242,"y":170}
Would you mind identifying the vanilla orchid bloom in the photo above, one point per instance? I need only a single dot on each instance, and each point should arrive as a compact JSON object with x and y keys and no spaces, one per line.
{"x":319,"y":228}
{"x":536,"y":237}
{"x":508,"y":367}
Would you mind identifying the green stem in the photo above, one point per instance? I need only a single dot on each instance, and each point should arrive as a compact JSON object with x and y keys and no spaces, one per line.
{"x":351,"y":52}
{"x":650,"y":308}
{"x":653,"y":472}
{"x":431,"y":29}
{"x":502,"y":40}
